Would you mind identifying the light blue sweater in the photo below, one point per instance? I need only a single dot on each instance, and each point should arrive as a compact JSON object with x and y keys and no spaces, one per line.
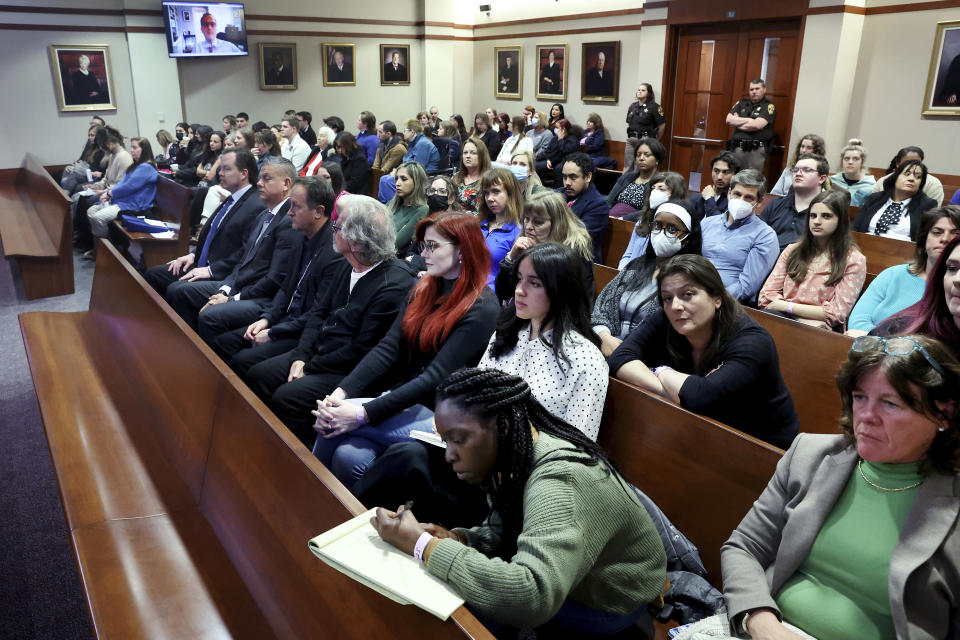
{"x":894,"y":289}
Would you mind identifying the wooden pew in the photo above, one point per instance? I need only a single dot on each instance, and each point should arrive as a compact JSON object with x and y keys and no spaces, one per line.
{"x":702,"y":474}
{"x":36,"y":230}
{"x":809,"y":360}
{"x":189,"y":504}
{"x":882,"y":253}
{"x":375,"y":175}
{"x":172,"y":205}
{"x":606,"y":178}
{"x":615,"y":241}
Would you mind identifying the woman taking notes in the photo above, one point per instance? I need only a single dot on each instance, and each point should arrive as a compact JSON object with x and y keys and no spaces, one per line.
{"x":566,"y":543}
{"x":706,"y":354}
{"x":856,"y":535}
{"x":817,"y":280}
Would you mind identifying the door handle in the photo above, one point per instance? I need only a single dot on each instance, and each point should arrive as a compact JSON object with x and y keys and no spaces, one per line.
{"x":703,"y":140}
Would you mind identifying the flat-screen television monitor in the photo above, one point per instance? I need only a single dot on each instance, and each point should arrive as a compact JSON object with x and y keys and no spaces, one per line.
{"x":198,"y":29}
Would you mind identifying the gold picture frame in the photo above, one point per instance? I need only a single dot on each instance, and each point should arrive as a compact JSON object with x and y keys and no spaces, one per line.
{"x":507,"y":76}
{"x":551,"y":80}
{"x":83,"y":77}
{"x":278,"y":66}
{"x":599,"y":80}
{"x":391,"y":76}
{"x":344,"y":73}
{"x":942,"y":95}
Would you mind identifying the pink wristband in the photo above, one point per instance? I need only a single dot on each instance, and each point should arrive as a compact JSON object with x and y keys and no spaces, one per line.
{"x":421,"y":545}
{"x":361,"y":417}
{"x":790,"y":309}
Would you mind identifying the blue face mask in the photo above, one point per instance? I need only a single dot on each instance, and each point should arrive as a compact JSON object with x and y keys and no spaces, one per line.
{"x":535,"y":122}
{"x":519,"y":172}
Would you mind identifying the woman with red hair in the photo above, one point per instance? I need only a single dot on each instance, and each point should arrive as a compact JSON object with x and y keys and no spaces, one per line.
{"x":445,"y":325}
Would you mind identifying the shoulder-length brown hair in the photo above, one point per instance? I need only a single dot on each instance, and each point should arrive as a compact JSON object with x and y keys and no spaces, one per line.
{"x":506,"y":179}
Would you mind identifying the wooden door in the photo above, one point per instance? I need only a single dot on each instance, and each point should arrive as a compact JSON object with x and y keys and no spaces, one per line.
{"x":714,"y":65}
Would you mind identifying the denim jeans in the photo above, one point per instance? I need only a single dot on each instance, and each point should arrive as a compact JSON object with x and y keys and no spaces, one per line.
{"x":348,"y":455}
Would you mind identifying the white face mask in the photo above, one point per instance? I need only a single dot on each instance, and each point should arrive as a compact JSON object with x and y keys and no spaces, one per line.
{"x":657,"y":198}
{"x":535,"y":121}
{"x":739,"y":208}
{"x":663,"y":245}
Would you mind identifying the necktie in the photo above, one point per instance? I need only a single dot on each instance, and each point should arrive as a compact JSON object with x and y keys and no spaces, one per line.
{"x":889,"y":218}
{"x":217,"y":219}
{"x":211,"y":48}
{"x":267,"y":219}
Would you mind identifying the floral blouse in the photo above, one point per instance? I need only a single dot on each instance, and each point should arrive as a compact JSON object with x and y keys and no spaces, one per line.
{"x":469,"y":196}
{"x":837,"y":299}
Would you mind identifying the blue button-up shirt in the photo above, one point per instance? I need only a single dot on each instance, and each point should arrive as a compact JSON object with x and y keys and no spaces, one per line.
{"x":744,"y":253}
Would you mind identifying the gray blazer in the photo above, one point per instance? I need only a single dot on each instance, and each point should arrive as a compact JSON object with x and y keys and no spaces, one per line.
{"x":775,"y":537}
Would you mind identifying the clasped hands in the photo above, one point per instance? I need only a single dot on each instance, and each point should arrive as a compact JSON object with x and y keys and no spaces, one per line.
{"x":218,"y":298}
{"x":401,"y":529}
{"x":335,"y":416}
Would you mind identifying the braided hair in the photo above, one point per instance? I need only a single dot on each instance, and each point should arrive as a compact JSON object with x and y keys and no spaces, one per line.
{"x":506,"y":399}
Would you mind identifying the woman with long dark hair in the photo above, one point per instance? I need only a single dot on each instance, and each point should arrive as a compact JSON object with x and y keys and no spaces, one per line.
{"x":895,"y":211}
{"x":356,"y":170}
{"x":444,"y":325}
{"x":900,"y":286}
{"x":933,"y":188}
{"x":409,"y":206}
{"x":556,"y":115}
{"x":818,"y":279}
{"x":633,"y":294}
{"x":557,"y":506}
{"x":706,"y":354}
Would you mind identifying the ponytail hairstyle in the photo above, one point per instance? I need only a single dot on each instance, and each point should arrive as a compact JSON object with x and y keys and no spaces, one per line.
{"x":505,"y":401}
{"x":895,"y":161}
{"x":431,"y":314}
{"x":838,"y":246}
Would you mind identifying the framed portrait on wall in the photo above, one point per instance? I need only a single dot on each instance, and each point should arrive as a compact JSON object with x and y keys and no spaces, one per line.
{"x":278,"y":66}
{"x":338,"y":64}
{"x":942,"y":97}
{"x":394,"y":64}
{"x":600,"y":72}
{"x":552,"y":72}
{"x":82,"y":77}
{"x":508,"y":63}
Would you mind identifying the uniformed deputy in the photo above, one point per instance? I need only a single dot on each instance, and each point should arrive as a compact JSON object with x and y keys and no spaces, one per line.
{"x":644,"y":120}
{"x":752,"y":121}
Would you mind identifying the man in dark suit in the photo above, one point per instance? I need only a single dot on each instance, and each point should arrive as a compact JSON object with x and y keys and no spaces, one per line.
{"x":550,"y":76}
{"x":393,"y":71}
{"x":238,"y":299}
{"x":313,"y":265}
{"x":508,"y":77}
{"x":585,"y":201}
{"x":280,"y":73}
{"x":599,"y":78}
{"x":350,"y":317}
{"x":220,"y":244}
{"x":339,"y":70}
{"x":306,"y":132}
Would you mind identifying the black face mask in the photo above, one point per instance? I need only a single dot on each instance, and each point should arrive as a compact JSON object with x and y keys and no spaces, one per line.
{"x":179,"y":135}
{"x":437,"y":202}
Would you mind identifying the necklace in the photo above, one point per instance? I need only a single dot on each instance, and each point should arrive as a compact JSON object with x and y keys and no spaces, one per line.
{"x":877,"y":486}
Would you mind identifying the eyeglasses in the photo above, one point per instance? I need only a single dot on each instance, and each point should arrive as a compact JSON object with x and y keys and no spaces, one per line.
{"x":671,"y":229}
{"x":804,"y":170}
{"x":895,"y":346}
{"x":429,"y":246}
{"x":336,"y":226}
{"x":208,"y":23}
{"x":436,"y":192}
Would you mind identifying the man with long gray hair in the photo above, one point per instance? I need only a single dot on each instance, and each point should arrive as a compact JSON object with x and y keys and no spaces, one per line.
{"x":348,"y":319}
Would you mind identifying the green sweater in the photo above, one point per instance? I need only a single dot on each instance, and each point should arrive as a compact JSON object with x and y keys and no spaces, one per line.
{"x":833,"y":596}
{"x":405,"y":219}
{"x":584,"y":536}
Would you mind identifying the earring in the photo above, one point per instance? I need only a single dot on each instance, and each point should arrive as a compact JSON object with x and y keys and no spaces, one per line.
{"x":942,"y":429}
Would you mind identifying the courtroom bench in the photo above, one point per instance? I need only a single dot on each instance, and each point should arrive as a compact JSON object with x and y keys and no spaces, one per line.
{"x":702,"y":474}
{"x":36,"y":230}
{"x":172,"y":205}
{"x":189,"y":505}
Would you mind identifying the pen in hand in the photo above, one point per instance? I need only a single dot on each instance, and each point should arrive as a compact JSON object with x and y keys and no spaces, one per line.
{"x":407,"y":507}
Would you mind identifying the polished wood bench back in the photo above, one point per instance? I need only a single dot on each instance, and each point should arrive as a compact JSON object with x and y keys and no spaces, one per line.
{"x":702,"y":474}
{"x":882,"y":253}
{"x":36,"y":230}
{"x":177,"y":481}
{"x":615,"y":241}
{"x":172,"y":205}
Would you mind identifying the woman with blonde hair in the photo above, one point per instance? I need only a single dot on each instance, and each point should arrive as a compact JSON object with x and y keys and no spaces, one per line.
{"x":474,"y":162}
{"x":854,"y":177}
{"x":547,"y":218}
{"x":522,"y":166}
{"x":499,"y":214}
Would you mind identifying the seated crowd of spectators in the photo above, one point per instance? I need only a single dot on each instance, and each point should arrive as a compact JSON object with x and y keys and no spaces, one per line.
{"x":456,"y":295}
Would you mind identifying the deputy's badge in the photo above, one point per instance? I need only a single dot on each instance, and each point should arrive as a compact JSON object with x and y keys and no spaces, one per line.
{"x":770,"y":108}
{"x":660,"y":110}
